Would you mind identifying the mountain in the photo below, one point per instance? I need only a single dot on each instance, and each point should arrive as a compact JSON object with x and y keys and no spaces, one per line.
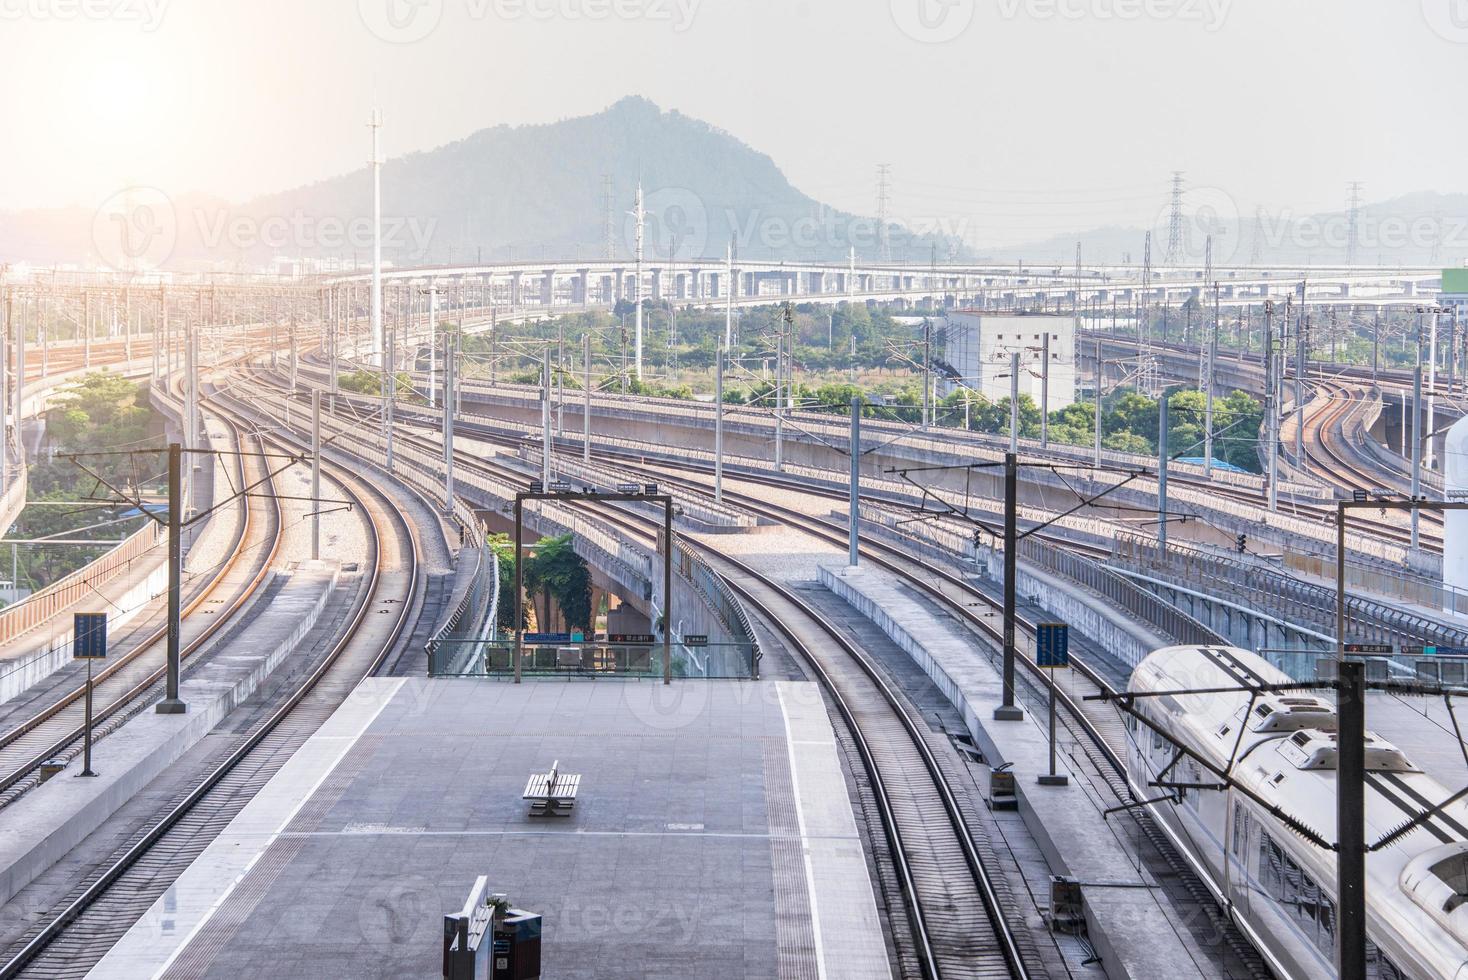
{"x":521,"y":193}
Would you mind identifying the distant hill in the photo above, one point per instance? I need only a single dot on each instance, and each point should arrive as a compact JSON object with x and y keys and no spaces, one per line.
{"x":521,"y":192}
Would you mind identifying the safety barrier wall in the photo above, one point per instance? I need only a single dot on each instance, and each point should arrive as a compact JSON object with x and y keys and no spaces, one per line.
{"x":742,"y":418}
{"x":1301,"y":602}
{"x":951,"y":543}
{"x":40,"y":606}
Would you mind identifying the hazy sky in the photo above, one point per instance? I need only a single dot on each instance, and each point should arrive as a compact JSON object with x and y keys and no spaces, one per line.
{"x":1019,"y":117}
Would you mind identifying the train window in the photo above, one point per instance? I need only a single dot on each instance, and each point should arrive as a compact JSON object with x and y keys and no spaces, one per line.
{"x":1241,"y":830}
{"x":1271,"y":866}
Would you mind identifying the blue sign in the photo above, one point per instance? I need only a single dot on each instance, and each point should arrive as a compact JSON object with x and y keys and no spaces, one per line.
{"x":90,"y":632}
{"x":1052,"y":645}
{"x":547,"y":638}
{"x":1435,"y":651}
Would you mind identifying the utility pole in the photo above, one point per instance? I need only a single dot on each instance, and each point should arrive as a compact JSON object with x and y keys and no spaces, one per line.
{"x":640,"y":216}
{"x":1014,"y":402}
{"x":927,"y":361}
{"x":1350,"y":814}
{"x":1045,"y":389}
{"x":729,"y":295}
{"x":432,"y":342}
{"x":1302,"y":355}
{"x":1430,"y":450}
{"x":545,"y":421}
{"x":719,"y":356}
{"x":1208,"y":387}
{"x":1417,"y":431}
{"x":1271,"y":405}
{"x":1162,"y":472}
{"x":389,"y":396}
{"x":376,"y":323}
{"x":450,"y":406}
{"x":171,"y":703}
{"x":1008,"y":710}
{"x":586,"y":409}
{"x":316,"y":473}
{"x":854,"y":515}
{"x":1100,"y":376}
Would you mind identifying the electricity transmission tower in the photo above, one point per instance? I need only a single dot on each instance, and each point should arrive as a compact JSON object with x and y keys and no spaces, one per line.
{"x":1175,"y":222}
{"x":1353,"y":221}
{"x":884,"y":179}
{"x":609,"y":223}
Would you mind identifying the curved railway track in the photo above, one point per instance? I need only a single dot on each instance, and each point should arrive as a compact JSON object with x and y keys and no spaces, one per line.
{"x":131,"y":681}
{"x":69,"y":941}
{"x":1095,"y":722}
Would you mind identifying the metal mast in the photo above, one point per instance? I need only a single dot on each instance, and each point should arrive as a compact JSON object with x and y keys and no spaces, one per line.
{"x":884,"y":178}
{"x":1353,"y":220}
{"x":376,"y":126}
{"x":1175,"y":222}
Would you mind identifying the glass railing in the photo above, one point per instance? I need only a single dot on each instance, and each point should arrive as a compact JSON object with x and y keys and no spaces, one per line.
{"x":451,"y":657}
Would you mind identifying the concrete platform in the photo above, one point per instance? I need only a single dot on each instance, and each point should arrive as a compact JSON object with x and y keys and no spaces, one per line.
{"x":1128,"y":923}
{"x":713,"y":837}
{"x":47,"y":822}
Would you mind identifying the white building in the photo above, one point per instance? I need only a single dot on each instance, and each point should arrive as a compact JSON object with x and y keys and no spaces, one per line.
{"x":979,"y":346}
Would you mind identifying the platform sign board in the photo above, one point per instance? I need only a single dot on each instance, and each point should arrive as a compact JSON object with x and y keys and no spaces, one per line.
{"x":696,"y":640}
{"x":546,"y":639}
{"x":633,"y":638}
{"x":1052,"y":645}
{"x":1377,"y":648}
{"x":1435,"y":651}
{"x":560,"y":486}
{"x":90,"y":631}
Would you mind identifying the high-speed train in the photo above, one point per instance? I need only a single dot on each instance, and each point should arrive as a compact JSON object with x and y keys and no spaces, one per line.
{"x":1279,"y":887}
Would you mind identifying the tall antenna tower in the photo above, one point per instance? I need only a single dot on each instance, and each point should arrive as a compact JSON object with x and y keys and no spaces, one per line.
{"x":884,"y":180}
{"x":1353,"y":220}
{"x":609,"y":223}
{"x":1205,"y":369}
{"x":1174,"y":254}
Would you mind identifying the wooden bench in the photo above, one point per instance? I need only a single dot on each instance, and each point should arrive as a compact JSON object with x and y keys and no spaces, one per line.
{"x":552,"y":794}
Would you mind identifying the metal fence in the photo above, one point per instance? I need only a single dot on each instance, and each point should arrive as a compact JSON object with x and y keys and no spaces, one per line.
{"x":593,"y":659}
{"x":40,"y":606}
{"x":1289,"y":597}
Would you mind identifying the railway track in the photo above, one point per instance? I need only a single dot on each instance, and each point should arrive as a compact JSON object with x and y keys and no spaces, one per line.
{"x":814,"y":638}
{"x":69,"y":941}
{"x":132,"y":681}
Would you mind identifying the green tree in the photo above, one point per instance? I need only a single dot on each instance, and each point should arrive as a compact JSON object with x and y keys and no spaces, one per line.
{"x":557,"y":572}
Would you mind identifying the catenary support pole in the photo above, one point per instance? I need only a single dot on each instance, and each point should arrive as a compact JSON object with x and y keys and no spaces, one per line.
{"x":545,"y":421}
{"x":450,"y":408}
{"x":719,"y":424}
{"x":171,"y":704}
{"x":1162,"y":471}
{"x":854,"y":513}
{"x":586,"y":392}
{"x":1351,"y":820}
{"x":1008,"y":710}
{"x":315,"y":474}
